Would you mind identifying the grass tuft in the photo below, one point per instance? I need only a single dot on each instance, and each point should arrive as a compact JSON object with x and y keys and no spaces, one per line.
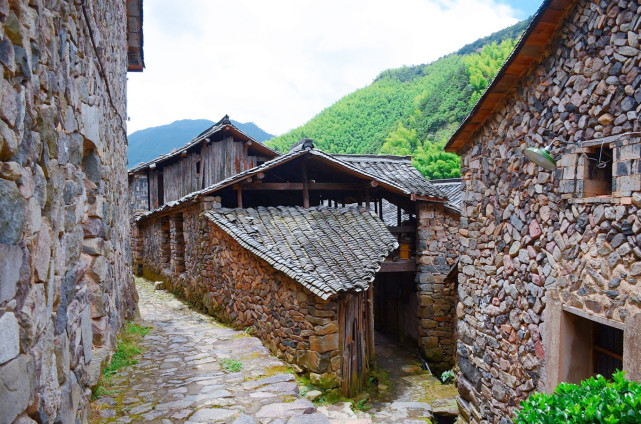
{"x":125,"y":355}
{"x":231,"y":365}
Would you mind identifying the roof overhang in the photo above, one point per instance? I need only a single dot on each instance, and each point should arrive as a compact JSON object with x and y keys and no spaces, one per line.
{"x":526,"y":54}
{"x":135,"y":56}
{"x":313,"y":154}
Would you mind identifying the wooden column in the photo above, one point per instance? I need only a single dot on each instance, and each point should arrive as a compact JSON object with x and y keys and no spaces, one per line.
{"x":371,"y":335}
{"x":367,"y":197}
{"x":398,"y":216}
{"x":380,"y":208}
{"x":305,"y":186}
{"x":239,"y":193}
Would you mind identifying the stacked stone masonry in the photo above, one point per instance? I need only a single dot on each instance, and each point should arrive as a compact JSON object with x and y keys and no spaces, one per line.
{"x":437,"y":251}
{"x":236,"y":286}
{"x":529,"y":237}
{"x":65,"y":280}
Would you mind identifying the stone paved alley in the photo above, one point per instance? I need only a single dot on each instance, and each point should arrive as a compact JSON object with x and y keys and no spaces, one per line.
{"x":179,"y":378}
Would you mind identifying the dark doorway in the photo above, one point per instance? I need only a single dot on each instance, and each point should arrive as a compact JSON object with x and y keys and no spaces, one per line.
{"x":396,"y":306}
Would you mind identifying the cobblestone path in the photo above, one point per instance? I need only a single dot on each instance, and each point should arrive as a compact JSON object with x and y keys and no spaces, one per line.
{"x":180,"y":378}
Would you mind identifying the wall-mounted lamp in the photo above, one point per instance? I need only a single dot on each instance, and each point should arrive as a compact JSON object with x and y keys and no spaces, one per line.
{"x":541,"y":156}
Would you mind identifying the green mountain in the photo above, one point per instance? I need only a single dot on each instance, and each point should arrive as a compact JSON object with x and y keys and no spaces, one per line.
{"x":410,"y":110}
{"x":144,"y":145}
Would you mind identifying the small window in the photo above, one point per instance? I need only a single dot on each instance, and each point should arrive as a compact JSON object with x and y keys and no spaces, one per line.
{"x":598,"y":172}
{"x":198,"y":167}
{"x":607,"y":350}
{"x":588,"y":348}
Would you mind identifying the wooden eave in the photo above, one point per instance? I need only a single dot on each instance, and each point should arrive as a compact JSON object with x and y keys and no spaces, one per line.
{"x":135,"y":56}
{"x":527,"y":53}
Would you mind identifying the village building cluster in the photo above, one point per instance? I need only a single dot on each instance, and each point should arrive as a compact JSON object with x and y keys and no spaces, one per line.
{"x":314,"y":251}
{"x":520,"y":275}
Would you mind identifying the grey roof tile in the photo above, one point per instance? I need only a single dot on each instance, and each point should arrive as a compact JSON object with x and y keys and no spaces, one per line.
{"x":453,"y":189}
{"x":327,"y":250}
{"x":398,"y":169}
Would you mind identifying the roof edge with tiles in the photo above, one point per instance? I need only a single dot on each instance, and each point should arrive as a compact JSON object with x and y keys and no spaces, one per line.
{"x":317,"y":286}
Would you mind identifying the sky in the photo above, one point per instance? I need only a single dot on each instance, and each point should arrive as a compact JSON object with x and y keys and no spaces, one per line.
{"x":278,"y":63}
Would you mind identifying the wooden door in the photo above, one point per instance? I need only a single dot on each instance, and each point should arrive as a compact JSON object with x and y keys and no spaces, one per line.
{"x":354,"y":324}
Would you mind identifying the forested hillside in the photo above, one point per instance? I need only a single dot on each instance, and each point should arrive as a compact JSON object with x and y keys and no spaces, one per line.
{"x":410,"y":110}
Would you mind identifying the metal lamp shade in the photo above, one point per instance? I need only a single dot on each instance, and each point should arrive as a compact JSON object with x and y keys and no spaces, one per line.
{"x":541,"y":157}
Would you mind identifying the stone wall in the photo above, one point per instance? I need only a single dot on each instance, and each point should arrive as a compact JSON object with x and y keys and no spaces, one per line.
{"x":527,"y":244}
{"x":437,"y":251}
{"x":243,"y":290}
{"x":65,"y":281}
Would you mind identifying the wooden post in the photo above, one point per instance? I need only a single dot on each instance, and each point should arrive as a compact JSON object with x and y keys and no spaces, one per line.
{"x":399,"y":216}
{"x":240,"y":197}
{"x":367,"y":197}
{"x":380,"y":208}
{"x":371,"y":335}
{"x":305,"y":186}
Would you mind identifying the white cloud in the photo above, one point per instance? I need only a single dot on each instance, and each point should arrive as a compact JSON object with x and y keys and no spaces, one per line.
{"x":278,"y":63}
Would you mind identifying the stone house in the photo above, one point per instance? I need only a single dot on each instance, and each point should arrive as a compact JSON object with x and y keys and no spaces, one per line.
{"x":302,"y":218}
{"x":65,"y":276}
{"x":549,"y":270}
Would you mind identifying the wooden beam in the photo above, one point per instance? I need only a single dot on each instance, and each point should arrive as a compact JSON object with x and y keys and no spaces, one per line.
{"x":400,"y":266}
{"x":303,"y":169}
{"x":299,"y":186}
{"x":402,"y":229}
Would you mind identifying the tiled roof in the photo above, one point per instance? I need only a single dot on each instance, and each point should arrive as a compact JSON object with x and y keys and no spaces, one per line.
{"x":453,"y":189}
{"x":221,"y":125}
{"x":397,"y":169}
{"x":327,"y":250}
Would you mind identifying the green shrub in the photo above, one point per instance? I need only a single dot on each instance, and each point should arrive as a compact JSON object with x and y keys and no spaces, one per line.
{"x":447,"y":376}
{"x":595,"y":400}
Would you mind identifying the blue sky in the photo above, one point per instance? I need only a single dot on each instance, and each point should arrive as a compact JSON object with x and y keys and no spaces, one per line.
{"x":525,"y":8}
{"x":281,"y":62}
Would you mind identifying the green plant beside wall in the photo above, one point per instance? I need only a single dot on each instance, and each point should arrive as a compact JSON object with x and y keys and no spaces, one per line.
{"x":595,"y":400}
{"x":127,"y":350}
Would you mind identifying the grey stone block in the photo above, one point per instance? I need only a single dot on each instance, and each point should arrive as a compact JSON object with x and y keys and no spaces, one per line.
{"x":10,"y":264}
{"x":12,"y":213}
{"x":10,"y":337}
{"x":16,"y":384}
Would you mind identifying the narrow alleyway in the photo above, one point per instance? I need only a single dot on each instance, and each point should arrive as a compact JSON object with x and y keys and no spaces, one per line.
{"x":180,"y":378}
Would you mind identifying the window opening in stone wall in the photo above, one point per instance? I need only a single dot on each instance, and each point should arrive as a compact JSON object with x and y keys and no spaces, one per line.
{"x":161,"y":190}
{"x":165,"y":243}
{"x":608,"y":350}
{"x":588,"y":348}
{"x":179,"y":244}
{"x":598,"y":172}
